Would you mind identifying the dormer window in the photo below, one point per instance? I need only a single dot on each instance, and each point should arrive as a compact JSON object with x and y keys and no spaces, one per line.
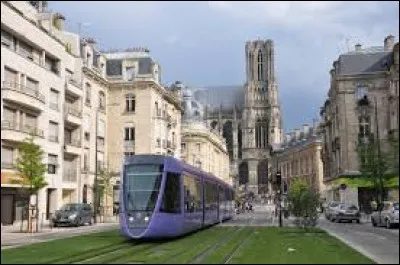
{"x":361,"y":91}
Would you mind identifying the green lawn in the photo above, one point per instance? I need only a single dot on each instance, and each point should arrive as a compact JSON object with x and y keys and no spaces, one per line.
{"x":216,"y":245}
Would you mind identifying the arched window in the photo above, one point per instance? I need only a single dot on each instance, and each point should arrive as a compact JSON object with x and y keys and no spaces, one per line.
{"x":260,"y":68}
{"x":261,"y":133}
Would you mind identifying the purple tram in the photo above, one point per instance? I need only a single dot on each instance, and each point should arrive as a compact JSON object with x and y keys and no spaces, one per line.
{"x":163,"y":197}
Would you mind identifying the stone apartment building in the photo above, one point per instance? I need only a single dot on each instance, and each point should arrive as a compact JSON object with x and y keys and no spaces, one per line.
{"x":299,"y":157}
{"x":87,"y":109}
{"x":360,"y":80}
{"x":142,"y":116}
{"x":202,"y":146}
{"x":45,"y":79}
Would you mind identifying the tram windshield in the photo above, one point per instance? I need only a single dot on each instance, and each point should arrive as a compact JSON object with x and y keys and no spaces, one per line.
{"x":141,"y":186}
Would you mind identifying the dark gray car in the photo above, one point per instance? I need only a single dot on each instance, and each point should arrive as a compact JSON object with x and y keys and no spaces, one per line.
{"x":75,"y":214}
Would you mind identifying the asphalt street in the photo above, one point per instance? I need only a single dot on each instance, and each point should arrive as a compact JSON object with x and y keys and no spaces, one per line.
{"x":379,"y":243}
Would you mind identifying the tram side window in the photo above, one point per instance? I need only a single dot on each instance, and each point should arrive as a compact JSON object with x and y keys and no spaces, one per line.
{"x":171,"y":197}
{"x":192,"y":195}
{"x":209,"y":196}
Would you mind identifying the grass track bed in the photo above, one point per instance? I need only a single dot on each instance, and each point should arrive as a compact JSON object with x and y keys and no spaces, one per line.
{"x":243,"y":245}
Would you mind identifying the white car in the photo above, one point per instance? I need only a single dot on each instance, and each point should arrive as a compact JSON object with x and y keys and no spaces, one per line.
{"x":389,"y":216}
{"x":346,"y":212}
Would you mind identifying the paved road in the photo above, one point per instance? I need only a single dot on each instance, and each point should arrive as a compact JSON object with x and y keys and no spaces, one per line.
{"x":378,"y":243}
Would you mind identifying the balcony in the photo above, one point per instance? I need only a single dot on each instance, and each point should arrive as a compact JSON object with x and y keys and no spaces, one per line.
{"x":72,"y":114}
{"x":73,"y":146}
{"x":129,"y":146}
{"x":73,"y":86}
{"x":12,"y":131}
{"x":23,"y":95}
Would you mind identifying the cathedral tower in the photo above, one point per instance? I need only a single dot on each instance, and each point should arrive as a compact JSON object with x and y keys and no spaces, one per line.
{"x":261,"y":119}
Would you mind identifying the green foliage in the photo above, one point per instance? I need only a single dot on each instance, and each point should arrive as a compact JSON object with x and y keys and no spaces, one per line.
{"x":30,"y":167}
{"x":375,"y":162}
{"x":303,"y":203}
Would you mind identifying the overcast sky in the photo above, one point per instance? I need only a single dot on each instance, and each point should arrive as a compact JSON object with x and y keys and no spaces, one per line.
{"x":202,"y":43}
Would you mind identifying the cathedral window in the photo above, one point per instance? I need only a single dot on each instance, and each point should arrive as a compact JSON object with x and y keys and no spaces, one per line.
{"x":260,"y":66}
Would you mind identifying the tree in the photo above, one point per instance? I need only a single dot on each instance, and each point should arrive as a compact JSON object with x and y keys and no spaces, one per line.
{"x":374,"y":164}
{"x":31,"y":172}
{"x":105,"y":180}
{"x":303,"y":203}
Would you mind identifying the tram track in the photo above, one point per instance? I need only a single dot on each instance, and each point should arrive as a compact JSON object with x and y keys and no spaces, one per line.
{"x":238,"y":246}
{"x":199,"y":257}
{"x":87,"y":254}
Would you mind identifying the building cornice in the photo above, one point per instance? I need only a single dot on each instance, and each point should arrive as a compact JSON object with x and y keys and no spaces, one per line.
{"x":95,"y":76}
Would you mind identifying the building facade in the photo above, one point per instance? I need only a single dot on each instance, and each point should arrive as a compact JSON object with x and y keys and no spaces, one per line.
{"x":361,"y":81}
{"x":248,"y":117}
{"x":202,"y":146}
{"x":299,"y":157}
{"x":43,"y":93}
{"x":143,"y":116}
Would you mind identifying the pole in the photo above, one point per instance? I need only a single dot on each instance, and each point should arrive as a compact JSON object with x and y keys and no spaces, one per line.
{"x":379,"y":152}
{"x":95,"y":174}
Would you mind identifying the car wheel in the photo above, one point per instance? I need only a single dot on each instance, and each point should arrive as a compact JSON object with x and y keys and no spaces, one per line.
{"x":78,"y":222}
{"x":358,"y":221}
{"x":388,"y":224}
{"x":90,"y":221}
{"x":337,"y":220}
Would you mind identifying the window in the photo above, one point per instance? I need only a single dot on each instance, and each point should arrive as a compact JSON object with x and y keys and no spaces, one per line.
{"x":10,"y":76}
{"x":130,"y":134}
{"x":6,"y":39}
{"x":130,"y":103}
{"x":261,"y":134}
{"x":86,"y":159}
{"x":130,"y":73}
{"x":9,"y":117}
{"x":54,"y":99}
{"x":173,"y":138}
{"x":171,"y":195}
{"x":183,"y":147}
{"x":364,"y":127}
{"x":87,"y":136}
{"x":193,"y":195}
{"x":198,"y":147}
{"x":88,"y":94}
{"x":361,"y":91}
{"x":129,"y":153}
{"x":102,"y":100}
{"x":158,"y":112}
{"x":32,"y":84}
{"x":52,"y":164}
{"x":158,"y":142}
{"x":7,"y":157}
{"x":25,"y":50}
{"x":260,"y":66}
{"x":30,"y":122}
{"x":51,"y":65}
{"x":53,"y":131}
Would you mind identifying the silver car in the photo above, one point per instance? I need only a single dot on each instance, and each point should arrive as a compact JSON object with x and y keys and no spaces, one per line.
{"x":388,"y":217}
{"x":346,"y":212}
{"x":330,"y":209}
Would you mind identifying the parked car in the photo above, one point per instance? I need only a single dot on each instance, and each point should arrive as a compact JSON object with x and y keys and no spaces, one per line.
{"x":389,"y":216}
{"x":75,"y":214}
{"x":346,"y":212}
{"x":330,"y":209}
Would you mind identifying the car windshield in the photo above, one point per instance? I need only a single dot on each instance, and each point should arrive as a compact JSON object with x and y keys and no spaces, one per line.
{"x":70,"y":207}
{"x":396,"y":206}
{"x":348,"y":207}
{"x":334,"y":204}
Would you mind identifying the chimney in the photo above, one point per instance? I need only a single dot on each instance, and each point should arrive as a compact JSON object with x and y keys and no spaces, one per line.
{"x":306,"y":130}
{"x":388,"y":43}
{"x":358,"y":47}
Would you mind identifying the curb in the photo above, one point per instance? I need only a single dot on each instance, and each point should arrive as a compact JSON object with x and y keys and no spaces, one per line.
{"x":350,"y":244}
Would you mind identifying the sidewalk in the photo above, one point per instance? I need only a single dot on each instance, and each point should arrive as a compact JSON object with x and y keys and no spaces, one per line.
{"x":12,"y":237}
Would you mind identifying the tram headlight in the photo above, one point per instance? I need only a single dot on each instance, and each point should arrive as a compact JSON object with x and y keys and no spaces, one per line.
{"x":131,"y":218}
{"x":146,"y":219}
